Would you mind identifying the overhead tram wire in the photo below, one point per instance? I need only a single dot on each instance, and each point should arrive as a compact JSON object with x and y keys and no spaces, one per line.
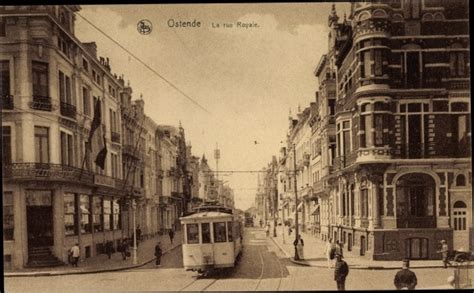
{"x":144,"y":64}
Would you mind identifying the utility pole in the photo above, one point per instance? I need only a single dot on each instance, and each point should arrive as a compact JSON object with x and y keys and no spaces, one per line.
{"x":297,"y":232}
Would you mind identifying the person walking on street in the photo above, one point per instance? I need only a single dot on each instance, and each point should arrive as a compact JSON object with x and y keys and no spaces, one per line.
{"x":405,"y":278}
{"x":109,"y":247}
{"x":124,"y":249}
{"x":330,"y":252}
{"x":139,"y":234}
{"x":341,"y":270}
{"x":299,"y":243}
{"x":158,"y":254}
{"x":444,"y":251}
{"x":171,"y":235}
{"x":267,"y":229}
{"x":75,"y":254}
{"x":339,"y":248}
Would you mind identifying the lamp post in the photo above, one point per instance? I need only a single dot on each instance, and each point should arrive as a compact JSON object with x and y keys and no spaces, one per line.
{"x":134,"y":258}
{"x":297,"y":232}
{"x":275,"y":210}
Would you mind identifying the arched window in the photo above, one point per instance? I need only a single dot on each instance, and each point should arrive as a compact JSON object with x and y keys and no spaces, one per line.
{"x":416,"y":201}
{"x":459,"y":216}
{"x":379,"y":13}
{"x":427,"y":17}
{"x":460,"y":180}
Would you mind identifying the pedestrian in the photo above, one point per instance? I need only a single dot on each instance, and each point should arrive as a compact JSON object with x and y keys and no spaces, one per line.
{"x":75,"y":254}
{"x":139,"y":234}
{"x":444,"y":252}
{"x":289,"y":230}
{"x":330,"y":252}
{"x":341,"y":270}
{"x":267,"y":230}
{"x":158,"y":254}
{"x":405,"y":278}
{"x":124,"y":249}
{"x":109,"y":247}
{"x":299,"y":243}
{"x":339,"y":248}
{"x":171,"y":235}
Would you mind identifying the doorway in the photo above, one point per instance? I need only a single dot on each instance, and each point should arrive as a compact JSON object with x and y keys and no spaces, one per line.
{"x":39,"y":215}
{"x":416,"y":248}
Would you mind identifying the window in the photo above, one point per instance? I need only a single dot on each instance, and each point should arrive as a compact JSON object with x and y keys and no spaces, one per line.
{"x":117,"y":224}
{"x":460,"y":180}
{"x":412,"y":70}
{"x":63,"y":46}
{"x":41,"y":144}
{"x":192,"y":233}
{"x":97,"y":214}
{"x":114,"y":162}
{"x":3,"y":32}
{"x":86,"y":101}
{"x":229,"y":232}
{"x":70,"y":214}
{"x":4,"y":78}
{"x":440,"y":106}
{"x":459,"y":216}
{"x":457,"y":64}
{"x":379,"y":130}
{"x":107,"y":214}
{"x":67,"y":149}
{"x":85,"y":65}
{"x":8,"y":216}
{"x":40,"y":79}
{"x":364,"y":203}
{"x":6,"y":145}
{"x":85,"y":214}
{"x":206,"y":232}
{"x":344,"y":140}
{"x":65,"y":88}
{"x":219,"y":232}
{"x":378,"y":63}
{"x":367,"y":70}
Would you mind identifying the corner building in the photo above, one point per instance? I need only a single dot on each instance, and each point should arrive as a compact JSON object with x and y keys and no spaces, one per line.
{"x":401,"y":178}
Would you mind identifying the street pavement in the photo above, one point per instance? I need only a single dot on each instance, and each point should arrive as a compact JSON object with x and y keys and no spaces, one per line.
{"x":101,"y":263}
{"x":263,"y":267}
{"x":314,"y":255}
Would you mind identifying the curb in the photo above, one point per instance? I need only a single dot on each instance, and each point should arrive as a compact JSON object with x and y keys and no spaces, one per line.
{"x":356,"y":267}
{"x":47,"y":274}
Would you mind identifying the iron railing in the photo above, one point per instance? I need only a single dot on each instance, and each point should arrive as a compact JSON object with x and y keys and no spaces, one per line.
{"x":46,"y":171}
{"x":42,"y":103}
{"x":68,"y":110}
{"x":7,"y":102}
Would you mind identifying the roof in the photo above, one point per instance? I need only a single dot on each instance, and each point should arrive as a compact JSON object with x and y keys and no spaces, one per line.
{"x":207,"y":215}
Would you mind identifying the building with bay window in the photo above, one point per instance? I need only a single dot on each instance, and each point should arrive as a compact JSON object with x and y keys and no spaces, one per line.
{"x":53,"y":193}
{"x":401,"y":177}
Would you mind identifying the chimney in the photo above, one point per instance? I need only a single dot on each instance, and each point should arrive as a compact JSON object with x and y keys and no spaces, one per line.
{"x":91,"y":48}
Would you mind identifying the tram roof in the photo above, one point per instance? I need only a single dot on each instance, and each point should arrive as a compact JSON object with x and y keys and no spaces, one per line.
{"x":207,"y":215}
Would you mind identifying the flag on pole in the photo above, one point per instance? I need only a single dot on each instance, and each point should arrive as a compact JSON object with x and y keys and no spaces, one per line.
{"x":97,"y":145}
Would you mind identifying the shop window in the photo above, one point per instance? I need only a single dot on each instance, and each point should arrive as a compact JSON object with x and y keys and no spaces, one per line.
{"x":97,"y":214}
{"x":219,"y":232}
{"x":192,"y":233}
{"x":70,"y":214}
{"x":8,"y":216}
{"x":107,"y":214}
{"x":85,"y":206}
{"x":116,"y":214}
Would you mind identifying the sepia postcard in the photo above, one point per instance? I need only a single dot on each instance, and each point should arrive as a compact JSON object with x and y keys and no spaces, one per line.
{"x":321,"y":146}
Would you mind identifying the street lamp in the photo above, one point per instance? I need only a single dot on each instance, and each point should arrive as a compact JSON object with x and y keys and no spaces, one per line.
{"x":134,"y":258}
{"x":296,"y":203}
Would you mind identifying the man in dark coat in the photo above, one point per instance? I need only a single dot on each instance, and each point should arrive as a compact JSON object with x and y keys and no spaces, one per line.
{"x":109,"y":247}
{"x":341,"y":271}
{"x":405,"y":278}
{"x":171,"y":235}
{"x":158,"y":254}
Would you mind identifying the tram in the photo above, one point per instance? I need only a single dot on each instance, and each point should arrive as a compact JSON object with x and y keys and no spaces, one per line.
{"x":212,"y":239}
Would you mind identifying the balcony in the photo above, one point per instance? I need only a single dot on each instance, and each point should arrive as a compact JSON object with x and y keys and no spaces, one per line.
{"x":129,"y":150}
{"x":46,"y":171}
{"x":42,"y":103}
{"x":7,"y":102}
{"x":115,"y":137}
{"x":68,"y":110}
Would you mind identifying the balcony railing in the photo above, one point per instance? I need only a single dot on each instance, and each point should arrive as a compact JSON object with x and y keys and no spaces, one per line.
{"x":42,"y":103}
{"x":46,"y":171}
{"x":115,"y":137}
{"x":68,"y":110}
{"x":7,"y":102}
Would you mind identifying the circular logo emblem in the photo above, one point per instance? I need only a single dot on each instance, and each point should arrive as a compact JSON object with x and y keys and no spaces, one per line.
{"x":144,"y":27}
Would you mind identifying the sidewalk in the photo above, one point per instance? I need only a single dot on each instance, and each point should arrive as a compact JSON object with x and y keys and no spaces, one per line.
{"x":101,"y":263}
{"x":314,"y":254}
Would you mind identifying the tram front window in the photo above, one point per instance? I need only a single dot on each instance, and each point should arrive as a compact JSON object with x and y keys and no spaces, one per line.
{"x":206,"y":232}
{"x":219,"y":232}
{"x":229,"y":232}
{"x":192,"y":233}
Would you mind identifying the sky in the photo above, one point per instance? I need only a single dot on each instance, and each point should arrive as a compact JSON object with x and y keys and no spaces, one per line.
{"x":246,"y":79}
